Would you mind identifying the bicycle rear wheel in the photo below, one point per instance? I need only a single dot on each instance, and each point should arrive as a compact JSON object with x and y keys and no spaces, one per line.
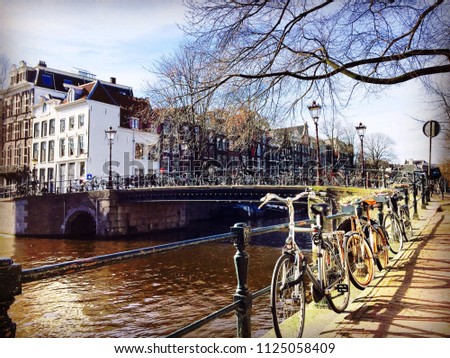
{"x":360,"y":261}
{"x":287,"y":298}
{"x":337,"y":279}
{"x":382,"y":255}
{"x":394,"y":232}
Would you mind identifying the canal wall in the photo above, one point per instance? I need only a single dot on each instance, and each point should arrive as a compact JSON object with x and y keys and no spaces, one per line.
{"x":110,"y":213}
{"x":99,"y":213}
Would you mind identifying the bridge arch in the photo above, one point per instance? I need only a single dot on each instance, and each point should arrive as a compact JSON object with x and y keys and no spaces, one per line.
{"x":80,"y":223}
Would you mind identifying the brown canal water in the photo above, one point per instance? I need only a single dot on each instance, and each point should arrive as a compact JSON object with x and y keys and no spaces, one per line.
{"x":148,"y":297}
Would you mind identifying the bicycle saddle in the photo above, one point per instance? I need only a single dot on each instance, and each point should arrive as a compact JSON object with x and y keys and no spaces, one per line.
{"x":320,"y":208}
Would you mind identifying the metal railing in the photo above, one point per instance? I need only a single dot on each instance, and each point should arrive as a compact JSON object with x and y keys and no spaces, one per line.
{"x":343,"y":178}
{"x":12,"y":276}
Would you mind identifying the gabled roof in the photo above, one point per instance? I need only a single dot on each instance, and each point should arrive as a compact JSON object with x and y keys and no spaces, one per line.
{"x":94,"y":91}
{"x":100,"y":94}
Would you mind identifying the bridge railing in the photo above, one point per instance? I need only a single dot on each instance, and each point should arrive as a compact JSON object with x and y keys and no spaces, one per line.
{"x":343,"y":177}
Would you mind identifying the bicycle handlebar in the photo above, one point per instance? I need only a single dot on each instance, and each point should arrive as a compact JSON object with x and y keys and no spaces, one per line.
{"x":271,"y":196}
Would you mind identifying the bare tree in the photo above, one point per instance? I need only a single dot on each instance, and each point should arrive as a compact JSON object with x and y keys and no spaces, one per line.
{"x":293,"y":47}
{"x":177,"y":98}
{"x":4,"y":70}
{"x":378,"y":150}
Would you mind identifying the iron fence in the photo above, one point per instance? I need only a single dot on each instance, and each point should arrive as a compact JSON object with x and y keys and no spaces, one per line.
{"x":217,"y":177}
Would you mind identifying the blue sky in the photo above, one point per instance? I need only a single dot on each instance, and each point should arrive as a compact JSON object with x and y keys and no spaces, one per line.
{"x":121,"y":38}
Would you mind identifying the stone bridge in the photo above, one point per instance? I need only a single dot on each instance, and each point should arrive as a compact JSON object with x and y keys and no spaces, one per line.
{"x":110,"y":213}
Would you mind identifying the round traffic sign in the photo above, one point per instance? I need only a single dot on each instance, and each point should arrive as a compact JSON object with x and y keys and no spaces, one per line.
{"x":431,"y":128}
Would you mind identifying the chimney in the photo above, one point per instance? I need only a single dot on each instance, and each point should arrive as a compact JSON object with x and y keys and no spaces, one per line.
{"x":42,"y":63}
{"x":113,"y":80}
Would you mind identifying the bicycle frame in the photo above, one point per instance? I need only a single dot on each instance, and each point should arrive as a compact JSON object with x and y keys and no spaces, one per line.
{"x":318,"y":240}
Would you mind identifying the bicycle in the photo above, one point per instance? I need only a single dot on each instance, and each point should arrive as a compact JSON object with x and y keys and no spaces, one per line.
{"x":331,"y":279}
{"x":392,"y":222}
{"x":397,"y":222}
{"x":366,"y":244}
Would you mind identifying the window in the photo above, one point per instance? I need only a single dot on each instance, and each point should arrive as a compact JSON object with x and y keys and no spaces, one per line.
{"x":51,"y":129}
{"x":19,"y":155}
{"x":139,"y":151}
{"x":62,"y":147}
{"x":71,"y":95}
{"x":62,"y":125}
{"x":44,"y":129}
{"x":47,"y":80}
{"x":25,"y":154}
{"x":43,"y":151}
{"x":16,"y":130}
{"x":50,"y":174}
{"x":81,"y":121}
{"x":153,"y":153}
{"x":71,"y":171}
{"x":80,"y":144}
{"x":35,"y":151}
{"x":42,"y":175}
{"x":82,"y":169}
{"x":27,"y":129}
{"x":71,"y":123}
{"x":71,"y":146}
{"x":51,"y":151}
{"x":36,"y":130}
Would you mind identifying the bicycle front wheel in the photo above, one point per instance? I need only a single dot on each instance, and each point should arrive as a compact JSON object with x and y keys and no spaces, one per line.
{"x":360,"y":261}
{"x":287,"y":298}
{"x":337,"y":280}
{"x":407,"y":224}
{"x":394,"y":233}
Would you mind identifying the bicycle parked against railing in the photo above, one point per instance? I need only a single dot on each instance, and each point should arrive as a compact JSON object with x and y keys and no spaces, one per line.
{"x":397,"y":221}
{"x":329,"y":274}
{"x":366,"y":243}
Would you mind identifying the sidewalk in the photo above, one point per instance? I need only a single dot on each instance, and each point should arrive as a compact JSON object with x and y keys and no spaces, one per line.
{"x":412,"y":297}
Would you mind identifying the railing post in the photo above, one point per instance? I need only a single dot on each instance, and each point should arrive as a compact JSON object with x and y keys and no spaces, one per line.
{"x":243,"y":295}
{"x":415,"y":192}
{"x":424,"y":192}
{"x":10,"y":286}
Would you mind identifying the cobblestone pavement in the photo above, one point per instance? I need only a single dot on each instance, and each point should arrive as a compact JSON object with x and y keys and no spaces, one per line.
{"x":412,"y":297}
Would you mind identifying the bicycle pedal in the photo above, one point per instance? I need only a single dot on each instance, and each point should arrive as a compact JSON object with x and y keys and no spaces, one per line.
{"x":341,"y":288}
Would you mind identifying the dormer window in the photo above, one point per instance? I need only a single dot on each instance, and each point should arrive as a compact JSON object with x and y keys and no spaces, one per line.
{"x":71,"y":95}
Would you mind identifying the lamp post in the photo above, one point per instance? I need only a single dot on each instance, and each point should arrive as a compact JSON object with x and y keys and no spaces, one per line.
{"x":110,"y":134}
{"x":361,"y":130}
{"x":314,"y":110}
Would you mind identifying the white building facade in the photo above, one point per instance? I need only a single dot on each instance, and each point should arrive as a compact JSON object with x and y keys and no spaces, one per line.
{"x":70,"y":147}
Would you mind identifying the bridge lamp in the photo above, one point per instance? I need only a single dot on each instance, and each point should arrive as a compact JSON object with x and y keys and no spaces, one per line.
{"x":314,"y":110}
{"x":361,"y":130}
{"x":110,"y":135}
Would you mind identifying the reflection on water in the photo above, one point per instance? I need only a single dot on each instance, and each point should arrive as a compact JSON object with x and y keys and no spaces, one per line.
{"x":149,"y":297}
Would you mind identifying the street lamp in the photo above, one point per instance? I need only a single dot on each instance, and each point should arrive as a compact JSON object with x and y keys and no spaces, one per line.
{"x":361,"y":130}
{"x":110,"y":134}
{"x":314,"y":110}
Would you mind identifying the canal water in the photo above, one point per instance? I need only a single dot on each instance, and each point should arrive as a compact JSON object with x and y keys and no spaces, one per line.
{"x":148,"y":297}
